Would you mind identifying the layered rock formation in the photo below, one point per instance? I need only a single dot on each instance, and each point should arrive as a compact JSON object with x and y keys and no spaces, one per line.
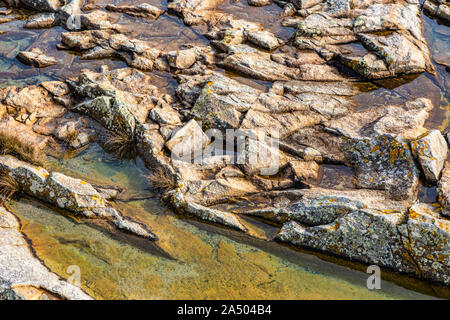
{"x":307,"y":102}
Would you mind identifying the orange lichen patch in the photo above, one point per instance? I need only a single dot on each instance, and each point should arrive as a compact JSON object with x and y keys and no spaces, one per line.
{"x":210,"y":83}
{"x":82,"y":182}
{"x":334,"y":227}
{"x":375,"y":148}
{"x":413,"y":214}
{"x":388,"y":211}
{"x":444,"y":226}
{"x":97,"y":199}
{"x":33,"y":293}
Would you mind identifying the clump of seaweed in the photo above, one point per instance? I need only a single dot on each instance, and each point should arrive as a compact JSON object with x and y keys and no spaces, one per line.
{"x":121,"y":144}
{"x":71,"y":136}
{"x":161,"y":180}
{"x":26,"y":151}
{"x":8,"y":186}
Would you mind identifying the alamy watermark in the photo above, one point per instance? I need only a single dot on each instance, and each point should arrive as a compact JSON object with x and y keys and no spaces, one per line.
{"x":254,"y":148}
{"x":374,"y":281}
{"x":75,"y":275}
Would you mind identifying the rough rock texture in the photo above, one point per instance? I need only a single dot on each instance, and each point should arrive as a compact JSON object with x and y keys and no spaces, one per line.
{"x":22,"y":276}
{"x":401,"y":121}
{"x":118,"y":99}
{"x":431,"y":151}
{"x":426,"y":237}
{"x":438,"y":8}
{"x":411,"y":240}
{"x":36,"y":58}
{"x":307,"y":97}
{"x":444,"y":190}
{"x":390,"y":32}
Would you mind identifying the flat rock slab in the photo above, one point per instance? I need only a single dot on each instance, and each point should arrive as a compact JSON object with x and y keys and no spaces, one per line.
{"x":383,"y":163}
{"x":20,"y":270}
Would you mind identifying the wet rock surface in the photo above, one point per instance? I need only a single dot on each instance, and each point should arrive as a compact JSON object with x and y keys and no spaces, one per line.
{"x":305,"y":91}
{"x":67,"y":193}
{"x":23,"y":276}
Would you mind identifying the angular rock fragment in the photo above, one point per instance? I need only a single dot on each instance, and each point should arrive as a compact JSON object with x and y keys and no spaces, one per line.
{"x":390,"y":32}
{"x":259,"y":3}
{"x":118,"y":99}
{"x":383,"y":163}
{"x":205,"y":213}
{"x":106,"y":43}
{"x":264,"y":39}
{"x":426,"y":237}
{"x":34,"y":99}
{"x":165,"y":115}
{"x":183,"y":59}
{"x":56,"y":88}
{"x":36,"y":58}
{"x":431,"y":151}
{"x":187,"y":141}
{"x":109,"y":112}
{"x":41,"y":21}
{"x":143,"y":10}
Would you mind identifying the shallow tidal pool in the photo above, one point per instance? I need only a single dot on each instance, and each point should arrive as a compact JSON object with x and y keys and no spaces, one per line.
{"x":191,"y":260}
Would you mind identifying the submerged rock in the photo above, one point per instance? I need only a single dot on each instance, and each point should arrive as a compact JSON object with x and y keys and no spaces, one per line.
{"x":67,"y":193}
{"x":23,"y":276}
{"x":36,"y":58}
